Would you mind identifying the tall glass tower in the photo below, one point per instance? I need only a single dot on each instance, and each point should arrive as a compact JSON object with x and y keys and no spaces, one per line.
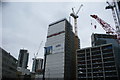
{"x":23,"y":58}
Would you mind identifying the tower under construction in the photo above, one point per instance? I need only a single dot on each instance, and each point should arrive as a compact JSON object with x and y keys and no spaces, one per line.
{"x":60,"y":50}
{"x":97,"y":63}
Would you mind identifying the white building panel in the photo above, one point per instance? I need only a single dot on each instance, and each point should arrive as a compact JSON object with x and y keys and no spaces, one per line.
{"x":57,"y":42}
{"x":56,"y":28}
{"x":55,"y":39}
{"x":55,"y":66}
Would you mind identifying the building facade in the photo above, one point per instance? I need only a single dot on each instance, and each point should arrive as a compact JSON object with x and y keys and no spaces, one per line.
{"x":23,"y":58}
{"x":97,"y":63}
{"x":100,"y":39}
{"x":22,"y":63}
{"x":9,"y":65}
{"x":60,"y":50}
{"x":37,"y":65}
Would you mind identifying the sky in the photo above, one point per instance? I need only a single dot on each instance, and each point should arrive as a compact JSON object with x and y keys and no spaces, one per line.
{"x":24,"y":24}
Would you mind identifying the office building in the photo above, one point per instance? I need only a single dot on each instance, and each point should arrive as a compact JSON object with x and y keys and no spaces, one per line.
{"x":97,"y":63}
{"x":23,"y":58}
{"x":60,"y":50}
{"x":37,"y":65}
{"x":9,"y":65}
{"x":100,"y":39}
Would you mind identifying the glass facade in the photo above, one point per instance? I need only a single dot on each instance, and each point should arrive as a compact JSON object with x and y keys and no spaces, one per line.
{"x":23,"y":58}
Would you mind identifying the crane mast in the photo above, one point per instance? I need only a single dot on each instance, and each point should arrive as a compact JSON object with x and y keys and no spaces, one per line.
{"x":75,"y":16}
{"x":112,"y":7}
{"x":35,"y":55}
{"x":107,"y":27}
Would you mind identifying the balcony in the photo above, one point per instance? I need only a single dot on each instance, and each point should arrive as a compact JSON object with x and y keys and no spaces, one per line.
{"x":108,"y":55}
{"x":111,"y":63}
{"x":108,"y":59}
{"x":109,"y":74}
{"x":96,"y":56}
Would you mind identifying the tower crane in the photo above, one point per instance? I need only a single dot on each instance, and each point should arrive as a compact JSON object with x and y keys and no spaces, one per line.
{"x":75,"y":16}
{"x":35,"y":56}
{"x":112,"y":7}
{"x":107,"y":27}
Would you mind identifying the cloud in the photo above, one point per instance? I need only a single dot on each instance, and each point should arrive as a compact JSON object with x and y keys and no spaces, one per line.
{"x":25,"y":24}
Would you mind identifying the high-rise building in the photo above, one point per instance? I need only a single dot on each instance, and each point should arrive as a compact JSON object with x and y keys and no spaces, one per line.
{"x":22,"y":63}
{"x":37,"y":68}
{"x":23,"y":58}
{"x":9,"y":65}
{"x":60,"y":50}
{"x":100,"y":39}
{"x":37,"y":65}
{"x":97,"y":63}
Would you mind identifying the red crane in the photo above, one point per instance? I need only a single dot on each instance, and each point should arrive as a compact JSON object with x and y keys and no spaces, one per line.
{"x":107,"y":27}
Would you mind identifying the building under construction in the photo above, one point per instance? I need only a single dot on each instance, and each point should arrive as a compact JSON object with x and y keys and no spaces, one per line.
{"x":61,"y":46}
{"x":97,"y":63}
{"x":101,"y":61}
{"x":99,"y":39}
{"x":37,"y":65}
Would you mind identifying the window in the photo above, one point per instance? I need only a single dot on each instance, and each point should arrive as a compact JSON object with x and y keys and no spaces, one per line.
{"x":58,"y":45}
{"x":48,"y":50}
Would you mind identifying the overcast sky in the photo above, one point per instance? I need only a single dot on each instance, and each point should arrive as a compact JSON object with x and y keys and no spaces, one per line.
{"x":25,"y":24}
